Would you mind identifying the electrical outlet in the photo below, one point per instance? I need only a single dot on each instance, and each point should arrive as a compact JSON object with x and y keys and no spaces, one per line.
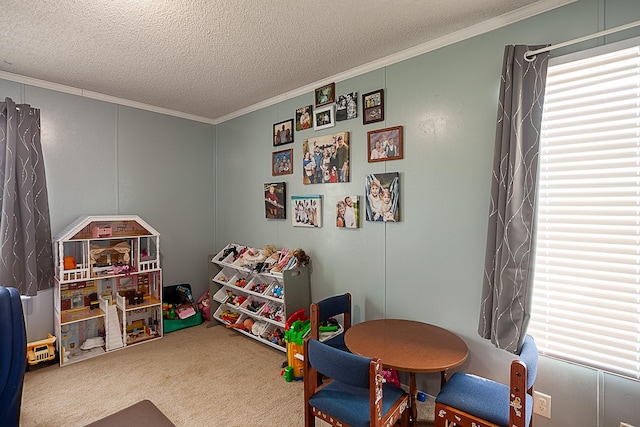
{"x":542,"y":404}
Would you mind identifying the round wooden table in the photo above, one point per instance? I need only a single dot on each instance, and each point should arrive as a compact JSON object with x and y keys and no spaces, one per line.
{"x":408,"y":346}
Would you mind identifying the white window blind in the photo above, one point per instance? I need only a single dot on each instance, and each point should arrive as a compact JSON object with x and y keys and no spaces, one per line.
{"x":586,"y":300}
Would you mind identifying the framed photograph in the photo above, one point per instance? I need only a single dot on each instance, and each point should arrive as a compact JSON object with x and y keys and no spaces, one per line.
{"x":324,"y":118}
{"x":325,"y":159}
{"x":306,"y":211}
{"x":281,"y":162}
{"x":275,"y":194}
{"x":348,"y":212}
{"x":383,"y":197}
{"x":283,"y":132}
{"x":326,"y":95}
{"x":384,"y":144}
{"x":303,"y":117}
{"x":347,"y":106}
{"x":373,"y":107}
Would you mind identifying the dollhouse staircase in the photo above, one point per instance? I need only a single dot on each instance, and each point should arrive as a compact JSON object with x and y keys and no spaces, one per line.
{"x":113,"y":331}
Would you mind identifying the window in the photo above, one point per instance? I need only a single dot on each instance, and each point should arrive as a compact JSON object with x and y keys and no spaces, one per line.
{"x":586,"y":300}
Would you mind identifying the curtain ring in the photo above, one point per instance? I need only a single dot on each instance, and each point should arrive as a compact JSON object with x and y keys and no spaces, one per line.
{"x":528,"y":57}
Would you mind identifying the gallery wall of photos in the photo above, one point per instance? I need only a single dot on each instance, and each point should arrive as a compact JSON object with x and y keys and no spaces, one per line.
{"x":326,"y":160}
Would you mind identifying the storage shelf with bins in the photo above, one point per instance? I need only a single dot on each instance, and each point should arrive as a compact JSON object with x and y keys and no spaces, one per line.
{"x":244,"y":289}
{"x":108,"y":289}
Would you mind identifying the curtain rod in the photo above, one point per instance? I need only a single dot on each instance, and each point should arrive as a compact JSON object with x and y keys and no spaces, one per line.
{"x":530,"y":54}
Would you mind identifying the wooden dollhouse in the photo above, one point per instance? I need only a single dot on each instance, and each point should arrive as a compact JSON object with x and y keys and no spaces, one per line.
{"x":108,"y":285}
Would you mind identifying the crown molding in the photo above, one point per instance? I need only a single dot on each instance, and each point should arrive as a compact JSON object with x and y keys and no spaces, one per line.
{"x":469,"y":32}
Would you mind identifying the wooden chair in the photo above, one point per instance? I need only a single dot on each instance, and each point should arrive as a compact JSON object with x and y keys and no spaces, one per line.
{"x":353,"y":394}
{"x":467,"y":400}
{"x":330,"y":307}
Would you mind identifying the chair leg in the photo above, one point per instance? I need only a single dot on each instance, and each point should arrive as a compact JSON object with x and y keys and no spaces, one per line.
{"x":406,"y":418}
{"x":309,"y":418}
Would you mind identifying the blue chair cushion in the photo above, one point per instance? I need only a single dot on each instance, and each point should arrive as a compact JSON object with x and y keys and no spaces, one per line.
{"x":480,"y":397}
{"x":351,"y":404}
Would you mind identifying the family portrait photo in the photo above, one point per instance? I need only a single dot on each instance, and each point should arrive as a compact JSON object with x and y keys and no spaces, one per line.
{"x":325,"y":159}
{"x":306,"y":211}
{"x":347,"y":106}
{"x":383,"y":197}
{"x":384,"y":144}
{"x":283,"y":132}
{"x":348,"y":212}
{"x":281,"y":162}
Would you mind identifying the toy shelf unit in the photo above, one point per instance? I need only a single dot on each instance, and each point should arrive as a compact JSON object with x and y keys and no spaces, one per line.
{"x":108,"y":286}
{"x":254,"y":298}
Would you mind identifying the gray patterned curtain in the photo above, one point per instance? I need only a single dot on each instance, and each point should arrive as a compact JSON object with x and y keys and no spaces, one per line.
{"x":508,"y":271}
{"x":26,"y":260}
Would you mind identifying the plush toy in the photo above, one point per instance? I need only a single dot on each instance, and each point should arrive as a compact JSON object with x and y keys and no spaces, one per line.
{"x":390,"y":376}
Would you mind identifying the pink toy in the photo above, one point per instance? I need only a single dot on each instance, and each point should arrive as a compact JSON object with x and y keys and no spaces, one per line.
{"x":185,"y":311}
{"x":204,"y":304}
{"x":391,"y":377}
{"x":101,"y":232}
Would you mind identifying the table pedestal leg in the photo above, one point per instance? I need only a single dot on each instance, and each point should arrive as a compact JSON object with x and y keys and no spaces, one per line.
{"x":413,"y":392}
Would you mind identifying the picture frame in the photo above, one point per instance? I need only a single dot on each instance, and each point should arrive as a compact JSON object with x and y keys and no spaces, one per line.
{"x":347,"y":106}
{"x":326,"y":94}
{"x":283,"y":132}
{"x":324,"y":118}
{"x":306,"y":211}
{"x":275,"y":196}
{"x":384,"y":144}
{"x":373,"y":107}
{"x":382,"y":197}
{"x":282,"y":162}
{"x":326,"y":159}
{"x":348,"y":211}
{"x":304,"y":118}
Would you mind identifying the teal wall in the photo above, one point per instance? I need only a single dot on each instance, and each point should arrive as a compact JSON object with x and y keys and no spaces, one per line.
{"x":429,"y":266}
{"x":200,"y":186}
{"x":104,"y":159}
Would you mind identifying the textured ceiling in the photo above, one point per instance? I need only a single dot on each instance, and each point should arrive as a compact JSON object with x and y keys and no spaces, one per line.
{"x":212,"y":58}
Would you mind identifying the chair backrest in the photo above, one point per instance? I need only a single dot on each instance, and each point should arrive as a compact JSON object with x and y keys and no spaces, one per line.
{"x":529,"y":355}
{"x":523,"y":376}
{"x":339,"y":365}
{"x":330,"y":307}
{"x":13,"y":357}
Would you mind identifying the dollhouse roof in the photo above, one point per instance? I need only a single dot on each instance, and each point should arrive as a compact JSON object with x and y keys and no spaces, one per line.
{"x":81,"y":224}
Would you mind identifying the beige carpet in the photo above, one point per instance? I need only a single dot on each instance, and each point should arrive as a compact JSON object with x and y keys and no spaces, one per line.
{"x":197,"y":376}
